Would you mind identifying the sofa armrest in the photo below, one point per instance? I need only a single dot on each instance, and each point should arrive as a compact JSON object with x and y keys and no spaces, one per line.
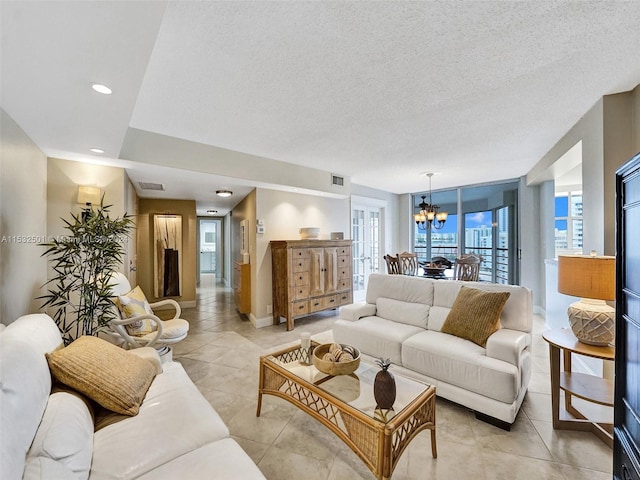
{"x":508,"y":345}
{"x":356,"y":311}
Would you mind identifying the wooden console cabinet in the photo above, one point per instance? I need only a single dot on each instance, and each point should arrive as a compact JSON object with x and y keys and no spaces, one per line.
{"x":310,"y":276}
{"x":242,"y":286}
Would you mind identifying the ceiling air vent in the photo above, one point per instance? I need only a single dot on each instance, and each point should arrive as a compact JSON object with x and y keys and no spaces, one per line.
{"x":151,"y":186}
{"x":337,"y":180}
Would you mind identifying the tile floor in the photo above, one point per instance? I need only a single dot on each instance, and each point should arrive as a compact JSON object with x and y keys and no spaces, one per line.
{"x":221,"y":355}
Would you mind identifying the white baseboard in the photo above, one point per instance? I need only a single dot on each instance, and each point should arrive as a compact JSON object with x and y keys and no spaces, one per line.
{"x":538,"y":310}
{"x":261,"y":322}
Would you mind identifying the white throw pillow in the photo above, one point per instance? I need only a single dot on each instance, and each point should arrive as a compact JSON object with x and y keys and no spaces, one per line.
{"x":416,"y":314}
{"x":65,"y":435}
{"x":43,"y":468}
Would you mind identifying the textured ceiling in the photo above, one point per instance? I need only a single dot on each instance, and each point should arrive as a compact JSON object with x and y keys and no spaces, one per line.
{"x":379,"y":91}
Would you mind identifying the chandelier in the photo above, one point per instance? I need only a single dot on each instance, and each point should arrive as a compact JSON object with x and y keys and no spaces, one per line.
{"x":429,"y":215}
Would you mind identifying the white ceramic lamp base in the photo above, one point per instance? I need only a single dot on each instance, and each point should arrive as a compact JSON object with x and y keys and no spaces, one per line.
{"x":592,"y":321}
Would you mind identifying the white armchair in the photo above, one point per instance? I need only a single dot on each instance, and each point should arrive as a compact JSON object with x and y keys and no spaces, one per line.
{"x":166,"y":332}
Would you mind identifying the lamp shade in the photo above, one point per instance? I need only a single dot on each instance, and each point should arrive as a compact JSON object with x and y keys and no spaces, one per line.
{"x":88,"y":195}
{"x":587,"y":276}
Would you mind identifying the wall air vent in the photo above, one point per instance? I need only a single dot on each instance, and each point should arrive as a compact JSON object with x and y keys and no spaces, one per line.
{"x":337,"y":180}
{"x":151,"y":186}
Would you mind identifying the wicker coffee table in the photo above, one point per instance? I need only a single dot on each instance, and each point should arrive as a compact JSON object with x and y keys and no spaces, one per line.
{"x":345,"y":404}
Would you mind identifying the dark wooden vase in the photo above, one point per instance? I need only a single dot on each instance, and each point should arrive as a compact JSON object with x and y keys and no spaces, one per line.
{"x":384,"y":390}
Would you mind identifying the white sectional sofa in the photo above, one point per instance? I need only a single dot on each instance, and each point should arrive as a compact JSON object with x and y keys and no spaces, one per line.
{"x":401,"y":320}
{"x":45,"y":435}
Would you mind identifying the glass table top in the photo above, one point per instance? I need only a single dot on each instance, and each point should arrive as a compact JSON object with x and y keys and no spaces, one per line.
{"x":356,"y":389}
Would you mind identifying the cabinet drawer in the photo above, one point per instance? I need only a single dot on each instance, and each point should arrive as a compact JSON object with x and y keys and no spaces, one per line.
{"x":344,"y":272}
{"x":299,"y":292}
{"x":300,"y":264}
{"x":344,"y":298}
{"x":344,"y":261}
{"x":299,"y":308}
{"x":299,"y":253}
{"x":344,"y":283}
{"x":300,"y":278}
{"x":323,"y":303}
{"x":344,"y":251}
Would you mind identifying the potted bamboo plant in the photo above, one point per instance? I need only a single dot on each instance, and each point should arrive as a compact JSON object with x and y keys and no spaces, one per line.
{"x":78,"y":295}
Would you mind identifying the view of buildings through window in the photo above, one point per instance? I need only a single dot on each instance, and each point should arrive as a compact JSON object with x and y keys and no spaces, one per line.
{"x":483,"y":221}
{"x":478,"y":238}
{"x":568,"y":222}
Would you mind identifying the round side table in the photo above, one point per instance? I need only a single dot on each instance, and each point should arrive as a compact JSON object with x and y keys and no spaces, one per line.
{"x":588,"y":387}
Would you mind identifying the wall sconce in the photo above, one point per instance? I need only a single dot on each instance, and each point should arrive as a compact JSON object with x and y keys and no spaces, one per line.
{"x":88,"y":196}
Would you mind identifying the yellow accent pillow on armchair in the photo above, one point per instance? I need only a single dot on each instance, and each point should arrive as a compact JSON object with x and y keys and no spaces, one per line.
{"x":133,"y":304}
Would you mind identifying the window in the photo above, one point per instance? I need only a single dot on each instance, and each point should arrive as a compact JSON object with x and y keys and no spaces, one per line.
{"x":568,"y":222}
{"x":209,"y":237}
{"x":483,"y":219}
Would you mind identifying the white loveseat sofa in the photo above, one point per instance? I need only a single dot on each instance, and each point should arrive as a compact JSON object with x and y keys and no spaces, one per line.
{"x":45,"y":435}
{"x":401,"y":320}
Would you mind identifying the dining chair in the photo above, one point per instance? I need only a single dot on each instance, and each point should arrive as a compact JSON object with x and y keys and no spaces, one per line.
{"x":393,"y":267}
{"x":467,"y":268}
{"x":408,"y":263}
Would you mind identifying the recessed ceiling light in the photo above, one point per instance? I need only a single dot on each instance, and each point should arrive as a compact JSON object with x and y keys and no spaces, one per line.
{"x":224,"y":193}
{"x":212,"y":212}
{"x":98,"y":87}
{"x":96,"y":150}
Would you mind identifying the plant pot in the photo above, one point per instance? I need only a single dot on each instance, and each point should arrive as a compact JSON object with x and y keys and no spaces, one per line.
{"x":384,"y":390}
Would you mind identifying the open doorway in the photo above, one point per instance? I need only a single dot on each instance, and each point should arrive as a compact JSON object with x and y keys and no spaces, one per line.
{"x":211,"y":246}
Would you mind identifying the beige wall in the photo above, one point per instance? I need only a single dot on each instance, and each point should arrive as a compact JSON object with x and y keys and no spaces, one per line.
{"x":63,"y":179}
{"x":283,"y":215}
{"x":146,"y":209}
{"x":23,"y":221}
{"x":618,"y":134}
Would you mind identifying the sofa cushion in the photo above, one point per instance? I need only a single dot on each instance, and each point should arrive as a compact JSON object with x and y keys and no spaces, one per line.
{"x":461,"y":363}
{"x":517,"y":313}
{"x":400,"y":287}
{"x":65,"y":435}
{"x":25,"y":385}
{"x":416,"y":314}
{"x":475,"y":314}
{"x":133,"y":304}
{"x":103,"y":372}
{"x":173,"y":420}
{"x":375,"y":336}
{"x":224,"y":458}
{"x":45,"y":468}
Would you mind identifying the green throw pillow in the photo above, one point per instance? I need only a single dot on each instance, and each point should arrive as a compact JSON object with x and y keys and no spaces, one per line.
{"x":475,"y":314}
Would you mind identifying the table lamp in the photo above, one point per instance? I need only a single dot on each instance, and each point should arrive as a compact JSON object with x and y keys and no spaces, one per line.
{"x":592,"y":278}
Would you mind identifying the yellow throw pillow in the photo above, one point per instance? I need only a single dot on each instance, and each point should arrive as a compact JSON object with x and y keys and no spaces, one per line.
{"x":133,"y":304}
{"x":475,"y":314}
{"x":103,"y":372}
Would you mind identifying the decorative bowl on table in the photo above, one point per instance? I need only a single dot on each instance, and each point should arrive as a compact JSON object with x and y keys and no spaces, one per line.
{"x":309,"y":233}
{"x":432,"y":269}
{"x":336,"y":359}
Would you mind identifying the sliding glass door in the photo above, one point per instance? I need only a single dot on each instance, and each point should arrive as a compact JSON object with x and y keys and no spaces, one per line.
{"x":482,"y":220}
